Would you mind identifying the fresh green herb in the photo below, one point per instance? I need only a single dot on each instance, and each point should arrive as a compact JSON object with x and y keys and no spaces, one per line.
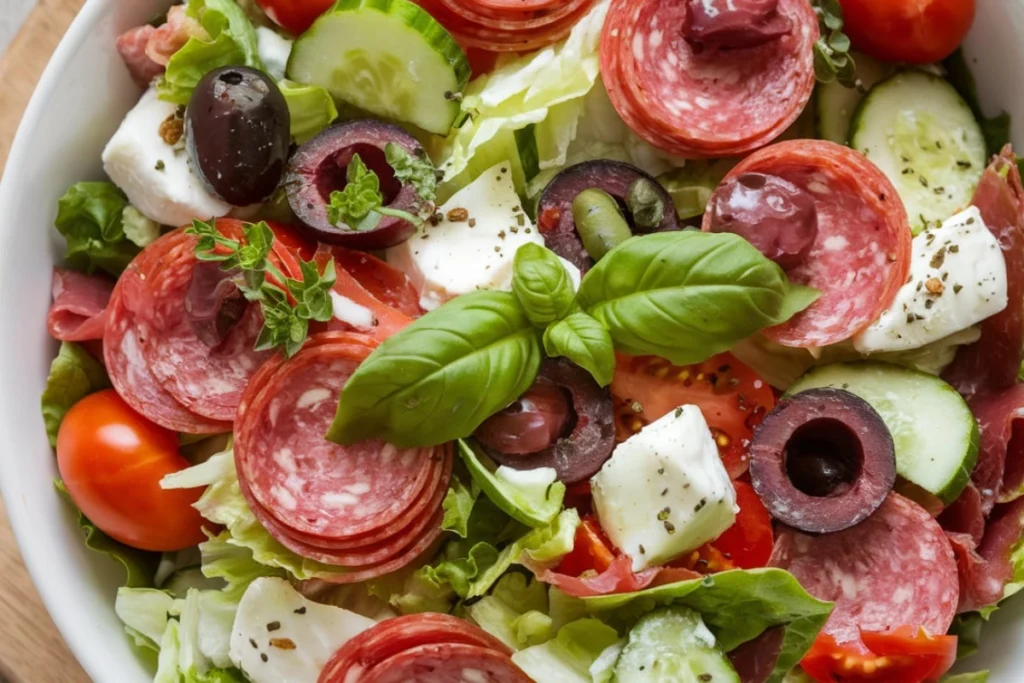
{"x":288,"y":305}
{"x":439,"y":378}
{"x":832,"y":59}
{"x":90,"y":216}
{"x":686,"y":296}
{"x":542,"y":285}
{"x":645,"y":204}
{"x":410,"y":168}
{"x":584,"y":341}
{"x":360,"y":205}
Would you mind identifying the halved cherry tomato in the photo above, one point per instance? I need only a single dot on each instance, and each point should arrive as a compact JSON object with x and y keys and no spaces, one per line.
{"x":905,"y":655}
{"x":294,"y":16}
{"x":915,"y":31}
{"x":591,"y":551}
{"x":748,"y":542}
{"x":731,"y":396}
{"x":112,"y":460}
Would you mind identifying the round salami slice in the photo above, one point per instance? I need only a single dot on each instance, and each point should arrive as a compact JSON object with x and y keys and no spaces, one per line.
{"x":861,"y":254}
{"x":698,"y":100}
{"x":477,"y":26}
{"x":360,"y":655}
{"x":896,"y":568}
{"x":123,"y":352}
{"x":448,"y":663}
{"x":312,"y":485}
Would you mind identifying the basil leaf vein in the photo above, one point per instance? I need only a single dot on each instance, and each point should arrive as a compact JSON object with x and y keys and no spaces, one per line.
{"x":439,"y":378}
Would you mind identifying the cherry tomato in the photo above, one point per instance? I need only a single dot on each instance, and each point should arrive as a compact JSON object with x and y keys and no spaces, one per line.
{"x":731,"y":396}
{"x":915,"y":31}
{"x":748,"y":542}
{"x":905,"y":655}
{"x":112,"y":460}
{"x":294,"y":16}
{"x":591,"y":552}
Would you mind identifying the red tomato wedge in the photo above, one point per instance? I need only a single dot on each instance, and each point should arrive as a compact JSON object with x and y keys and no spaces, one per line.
{"x":294,"y":16}
{"x":111,"y":460}
{"x":905,"y":655}
{"x":591,"y":552}
{"x":748,"y":542}
{"x":731,"y":396}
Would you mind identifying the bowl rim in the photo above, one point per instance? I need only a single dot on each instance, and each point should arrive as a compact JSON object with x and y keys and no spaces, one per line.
{"x":81,"y":642}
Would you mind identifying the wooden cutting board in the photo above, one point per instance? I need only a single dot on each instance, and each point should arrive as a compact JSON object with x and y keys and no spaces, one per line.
{"x":31,"y":649}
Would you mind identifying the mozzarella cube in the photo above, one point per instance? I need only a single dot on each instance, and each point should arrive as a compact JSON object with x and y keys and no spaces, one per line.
{"x":957,"y":279}
{"x":474,"y":245}
{"x":664,"y":491}
{"x":295,"y":635}
{"x":156,"y":176}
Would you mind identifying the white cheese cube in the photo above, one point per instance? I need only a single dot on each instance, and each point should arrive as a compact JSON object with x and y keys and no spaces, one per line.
{"x":155,"y":175}
{"x":664,"y":491}
{"x":475,"y":250}
{"x":957,"y":279}
{"x":296,"y":635}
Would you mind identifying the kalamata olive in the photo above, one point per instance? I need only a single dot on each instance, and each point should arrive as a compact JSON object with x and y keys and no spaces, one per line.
{"x":590,"y":423}
{"x":320,"y":166}
{"x":213,"y":303}
{"x":734,"y":23}
{"x":599,"y":222}
{"x":822,"y":461}
{"x":531,"y":424}
{"x":555,"y":215}
{"x":237,"y":129}
{"x":773,"y":214}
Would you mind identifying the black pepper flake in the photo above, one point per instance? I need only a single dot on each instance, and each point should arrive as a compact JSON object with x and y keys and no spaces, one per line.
{"x":472,"y":222}
{"x":528,"y":231}
{"x":160,"y":165}
{"x":643,"y":551}
{"x":924,"y":181}
{"x":700,"y":506}
{"x":963,"y":164}
{"x":954,"y":249}
{"x":661,"y":470}
{"x":679,"y":411}
{"x":501,"y":235}
{"x":928,"y":304}
{"x":665,"y":492}
{"x":263,"y":656}
{"x":497,"y":248}
{"x":663,"y":515}
{"x":274,"y":626}
{"x":514,"y":230}
{"x":939,"y":258}
{"x":957,"y":288}
{"x":910,"y":318}
{"x":301,"y":610}
{"x":670,"y":527}
{"x":254,"y":645}
{"x":704,"y":678}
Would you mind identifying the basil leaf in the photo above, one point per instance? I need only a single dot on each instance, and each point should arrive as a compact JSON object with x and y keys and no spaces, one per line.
{"x":439,"y":378}
{"x":586,"y":342}
{"x":542,"y":285}
{"x":686,"y":296}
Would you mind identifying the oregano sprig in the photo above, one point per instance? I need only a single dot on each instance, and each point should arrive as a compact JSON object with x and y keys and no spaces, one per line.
{"x":360,"y":204}
{"x":832,"y":59}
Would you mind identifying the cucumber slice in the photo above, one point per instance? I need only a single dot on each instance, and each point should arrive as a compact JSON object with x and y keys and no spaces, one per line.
{"x":935,"y":434}
{"x":921,"y":133}
{"x":672,"y":645}
{"x":386,"y":57}
{"x":835,"y":104}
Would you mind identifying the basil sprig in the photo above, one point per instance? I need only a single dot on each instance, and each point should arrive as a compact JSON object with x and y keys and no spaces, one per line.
{"x":684,"y":296}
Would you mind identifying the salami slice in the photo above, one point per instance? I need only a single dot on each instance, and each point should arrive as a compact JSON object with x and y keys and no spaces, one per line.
{"x":354,"y":661}
{"x":861,"y":255}
{"x":79,"y":309}
{"x":479,"y":26}
{"x":312,"y":485}
{"x":705,"y":100}
{"x":992,"y":363}
{"x":448,"y":663}
{"x":896,"y":568}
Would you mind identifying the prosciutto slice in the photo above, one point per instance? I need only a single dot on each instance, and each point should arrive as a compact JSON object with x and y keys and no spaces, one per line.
{"x":79,"y":309}
{"x":984,"y":573}
{"x":999,"y":474}
{"x":993,"y":362}
{"x":619,"y":577}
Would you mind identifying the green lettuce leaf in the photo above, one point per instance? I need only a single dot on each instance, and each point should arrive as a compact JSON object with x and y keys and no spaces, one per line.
{"x":516,"y":612}
{"x":533,"y":498}
{"x":967,"y":629}
{"x":737,"y":606}
{"x":544,"y":89}
{"x":139,"y":230}
{"x":311,"y":107}
{"x":145,"y":612}
{"x":231,"y":41}
{"x":90,"y":217}
{"x":568,"y":658}
{"x":139,"y":565}
{"x":74,"y":374}
{"x":973,"y":677}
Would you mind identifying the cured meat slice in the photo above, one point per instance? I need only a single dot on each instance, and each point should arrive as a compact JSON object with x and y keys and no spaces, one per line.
{"x":358,"y":657}
{"x":965,"y":515}
{"x":999,"y":473}
{"x":79,"y":309}
{"x":985,"y":573}
{"x":896,"y":568}
{"x":448,"y":663}
{"x":703,"y":100}
{"x":384,"y":282}
{"x":131,"y":45}
{"x":482,"y":26}
{"x":355,"y":306}
{"x":992,"y":363}
{"x":619,"y":577}
{"x":861,"y":255}
{"x":755,"y":659}
{"x":312,"y":485}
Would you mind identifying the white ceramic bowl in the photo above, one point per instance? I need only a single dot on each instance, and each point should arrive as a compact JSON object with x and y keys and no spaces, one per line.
{"x":80,"y":100}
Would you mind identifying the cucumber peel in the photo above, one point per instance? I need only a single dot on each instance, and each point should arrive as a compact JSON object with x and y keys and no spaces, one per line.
{"x":386,"y":57}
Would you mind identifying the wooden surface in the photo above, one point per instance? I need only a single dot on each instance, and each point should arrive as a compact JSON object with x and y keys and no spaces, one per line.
{"x":31,"y":650}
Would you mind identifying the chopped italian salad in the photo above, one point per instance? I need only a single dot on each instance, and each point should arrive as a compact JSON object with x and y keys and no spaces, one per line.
{"x":567,"y":341}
